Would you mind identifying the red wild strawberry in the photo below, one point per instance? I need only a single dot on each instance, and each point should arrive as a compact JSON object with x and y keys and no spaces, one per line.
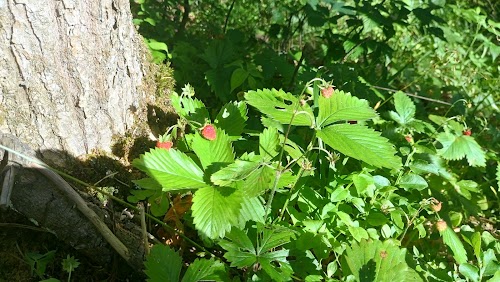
{"x":467,"y":132}
{"x":409,"y":138}
{"x":164,"y":144}
{"x":327,"y":92}
{"x":208,"y":132}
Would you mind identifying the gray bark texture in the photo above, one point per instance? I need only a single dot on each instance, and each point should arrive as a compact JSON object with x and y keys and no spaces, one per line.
{"x":71,"y":73}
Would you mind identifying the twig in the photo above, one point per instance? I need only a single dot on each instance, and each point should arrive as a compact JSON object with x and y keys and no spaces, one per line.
{"x":412,"y":95}
{"x":227,"y":16}
{"x":143,"y":227}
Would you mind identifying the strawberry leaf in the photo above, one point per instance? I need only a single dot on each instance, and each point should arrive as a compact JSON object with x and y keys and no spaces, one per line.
{"x":234,"y":172}
{"x":280,"y":106}
{"x":190,"y":109}
{"x":163,"y":264}
{"x":456,"y":147}
{"x":342,"y":106}
{"x":205,"y":270}
{"x":405,"y":109}
{"x":269,"y":143}
{"x":251,"y":209}
{"x":215,"y":210}
{"x":378,"y":261}
{"x":172,"y":169}
{"x":451,"y":240}
{"x":232,"y":118}
{"x":362,"y":143}
{"x":219,"y":150}
{"x":258,"y":181}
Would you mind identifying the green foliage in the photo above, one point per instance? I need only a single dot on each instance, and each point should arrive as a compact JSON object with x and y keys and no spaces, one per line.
{"x":361,"y":143}
{"x":346,"y":179}
{"x":164,"y":264}
{"x":378,"y":261}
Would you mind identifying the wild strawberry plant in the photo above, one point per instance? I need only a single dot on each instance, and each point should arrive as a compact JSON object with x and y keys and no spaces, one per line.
{"x":302,"y":187}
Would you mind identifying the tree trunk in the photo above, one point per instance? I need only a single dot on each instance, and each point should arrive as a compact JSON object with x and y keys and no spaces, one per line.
{"x":71,"y":73}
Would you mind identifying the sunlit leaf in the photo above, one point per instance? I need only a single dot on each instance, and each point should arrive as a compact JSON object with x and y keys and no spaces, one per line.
{"x":451,"y":240}
{"x":232,"y":118}
{"x":413,"y":181}
{"x":457,"y":147}
{"x":342,"y":106}
{"x":268,"y":143}
{"x":362,"y":143}
{"x":205,"y":270}
{"x":237,"y":171}
{"x":191,"y":109}
{"x":379,"y":261}
{"x":219,"y":150}
{"x":280,"y":106}
{"x":172,"y":169}
{"x":215,"y":210}
{"x":405,"y":109}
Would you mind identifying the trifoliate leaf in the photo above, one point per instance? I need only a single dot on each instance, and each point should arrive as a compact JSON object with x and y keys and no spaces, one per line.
{"x":191,"y":109}
{"x":172,"y":169}
{"x":232,"y":118}
{"x":362,"y":143}
{"x":456,"y":147}
{"x":242,"y":252}
{"x":237,"y":171}
{"x":205,"y":270}
{"x":163,"y":264}
{"x":342,"y":106}
{"x":219,"y":150}
{"x":405,"y":109}
{"x":281,"y":106}
{"x":215,"y":210}
{"x":269,"y":143}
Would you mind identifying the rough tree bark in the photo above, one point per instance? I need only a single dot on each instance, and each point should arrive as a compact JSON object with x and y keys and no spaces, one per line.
{"x":71,"y":73}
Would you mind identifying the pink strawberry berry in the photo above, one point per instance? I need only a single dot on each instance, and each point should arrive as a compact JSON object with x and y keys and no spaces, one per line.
{"x":327,"y":92}
{"x":208,"y":132}
{"x":467,"y":132}
{"x":441,"y":225}
{"x":164,"y":144}
{"x":409,"y":138}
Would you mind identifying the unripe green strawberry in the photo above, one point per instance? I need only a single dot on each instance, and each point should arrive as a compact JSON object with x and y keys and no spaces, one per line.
{"x":327,"y":92}
{"x":208,"y":132}
{"x":164,"y":145}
